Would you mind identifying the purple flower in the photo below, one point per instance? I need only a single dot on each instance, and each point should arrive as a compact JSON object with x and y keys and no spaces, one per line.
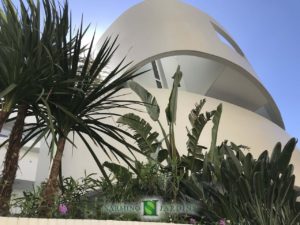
{"x":63,"y":209}
{"x":192,"y":221}
{"x":222,"y":222}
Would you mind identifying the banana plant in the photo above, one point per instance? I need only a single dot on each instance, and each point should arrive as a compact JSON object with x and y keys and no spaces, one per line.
{"x":193,"y":161}
{"x":148,"y":140}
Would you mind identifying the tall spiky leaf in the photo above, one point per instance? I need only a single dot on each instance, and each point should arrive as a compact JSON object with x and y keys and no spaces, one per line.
{"x":171,"y":109}
{"x":286,"y":154}
{"x":213,"y":154}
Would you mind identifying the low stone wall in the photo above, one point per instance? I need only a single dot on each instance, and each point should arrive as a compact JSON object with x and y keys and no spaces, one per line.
{"x":34,"y":221}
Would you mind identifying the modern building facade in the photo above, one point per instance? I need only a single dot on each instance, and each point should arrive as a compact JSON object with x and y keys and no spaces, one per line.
{"x":159,"y":35}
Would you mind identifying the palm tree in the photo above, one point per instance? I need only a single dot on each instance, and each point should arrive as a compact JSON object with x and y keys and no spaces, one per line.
{"x":25,"y":62}
{"x":84,"y":112}
{"x":26,"y":75}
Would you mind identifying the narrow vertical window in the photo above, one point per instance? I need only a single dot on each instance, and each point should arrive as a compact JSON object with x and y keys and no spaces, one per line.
{"x":156,"y":74}
{"x":226,"y":39}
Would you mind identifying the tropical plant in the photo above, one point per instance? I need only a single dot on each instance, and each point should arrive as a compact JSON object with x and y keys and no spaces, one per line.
{"x":26,"y":75}
{"x":129,"y":187}
{"x":75,"y":198}
{"x":85,"y":111}
{"x":248,"y":191}
{"x":27,"y":205}
{"x":148,"y":141}
{"x":226,"y":182}
{"x":153,"y":110}
{"x":26,"y":65}
{"x":177,"y":166}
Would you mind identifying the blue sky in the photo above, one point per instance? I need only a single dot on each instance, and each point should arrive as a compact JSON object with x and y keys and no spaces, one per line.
{"x":267,"y":31}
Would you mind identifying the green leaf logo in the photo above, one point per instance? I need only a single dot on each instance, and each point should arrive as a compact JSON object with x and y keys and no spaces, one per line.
{"x":150,"y":207}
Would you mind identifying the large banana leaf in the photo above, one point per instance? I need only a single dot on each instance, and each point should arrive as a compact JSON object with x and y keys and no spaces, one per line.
{"x":146,"y":140}
{"x":198,"y":121}
{"x":286,"y":155}
{"x":121,"y":173}
{"x":148,"y":100}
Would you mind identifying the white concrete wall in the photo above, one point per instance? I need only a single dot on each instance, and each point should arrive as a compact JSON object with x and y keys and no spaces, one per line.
{"x":27,"y":165}
{"x":155,"y":27}
{"x":237,"y":125}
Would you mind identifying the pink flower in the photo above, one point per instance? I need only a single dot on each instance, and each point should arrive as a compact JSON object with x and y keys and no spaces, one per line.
{"x":192,"y":221}
{"x":63,"y":209}
{"x":222,"y":222}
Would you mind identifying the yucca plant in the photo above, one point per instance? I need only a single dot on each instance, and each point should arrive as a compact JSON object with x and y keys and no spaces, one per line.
{"x":26,"y":75}
{"x":25,"y":61}
{"x":84,"y":112}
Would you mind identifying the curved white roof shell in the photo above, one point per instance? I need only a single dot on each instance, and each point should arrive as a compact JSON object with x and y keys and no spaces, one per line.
{"x":168,"y":33}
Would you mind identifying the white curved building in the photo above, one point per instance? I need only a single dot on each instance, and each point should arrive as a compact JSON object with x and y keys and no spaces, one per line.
{"x":160,"y":35}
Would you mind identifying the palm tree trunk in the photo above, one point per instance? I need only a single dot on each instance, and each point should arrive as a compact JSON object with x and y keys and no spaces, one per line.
{"x":51,"y":187}
{"x":11,"y":160}
{"x":3,"y":117}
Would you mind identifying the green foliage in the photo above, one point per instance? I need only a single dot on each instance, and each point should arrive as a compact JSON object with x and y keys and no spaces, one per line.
{"x":28,"y":203}
{"x":247,"y":190}
{"x":214,"y":134}
{"x":45,"y":67}
{"x":171,"y":109}
{"x":26,"y":66}
{"x":148,"y":100}
{"x":198,"y":121}
{"x":27,"y":75}
{"x":177,"y":167}
{"x":89,"y":103}
{"x":85,"y":197}
{"x":149,"y":180}
{"x":122,"y":174}
{"x":226,"y":182}
{"x":146,"y":140}
{"x":75,"y":195}
{"x":239,"y":188}
{"x":42,"y":66}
